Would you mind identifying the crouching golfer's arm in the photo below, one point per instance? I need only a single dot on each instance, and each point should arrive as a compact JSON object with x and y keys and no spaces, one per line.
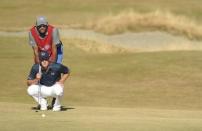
{"x":65,"y":74}
{"x":34,"y":76}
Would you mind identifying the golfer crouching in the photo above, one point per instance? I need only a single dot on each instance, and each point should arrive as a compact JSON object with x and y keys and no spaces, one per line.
{"x":47,"y":80}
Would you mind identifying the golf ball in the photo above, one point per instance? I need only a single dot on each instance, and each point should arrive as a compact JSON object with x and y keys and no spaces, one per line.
{"x":43,"y":115}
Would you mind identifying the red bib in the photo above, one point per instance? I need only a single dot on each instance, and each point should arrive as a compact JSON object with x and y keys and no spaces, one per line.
{"x":44,"y":44}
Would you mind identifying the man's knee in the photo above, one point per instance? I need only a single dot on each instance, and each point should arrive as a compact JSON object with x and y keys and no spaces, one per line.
{"x":32,"y":89}
{"x":58,"y":90}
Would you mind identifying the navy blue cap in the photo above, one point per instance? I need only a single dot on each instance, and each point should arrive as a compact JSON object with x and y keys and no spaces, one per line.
{"x":44,"y":55}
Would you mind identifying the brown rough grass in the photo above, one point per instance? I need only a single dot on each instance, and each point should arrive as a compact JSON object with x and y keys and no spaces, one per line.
{"x":158,"y":20}
{"x":93,"y":46}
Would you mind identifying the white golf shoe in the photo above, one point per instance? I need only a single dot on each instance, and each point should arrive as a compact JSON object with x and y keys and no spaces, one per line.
{"x":57,"y":108}
{"x":43,"y":108}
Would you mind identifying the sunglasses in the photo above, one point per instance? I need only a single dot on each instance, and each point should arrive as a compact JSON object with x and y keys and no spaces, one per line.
{"x":40,"y":26}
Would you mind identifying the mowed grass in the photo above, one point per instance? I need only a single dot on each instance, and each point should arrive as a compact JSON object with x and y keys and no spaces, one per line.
{"x":22,"y":13}
{"x":157,"y":80}
{"x":119,"y":91}
{"x":19,"y":117}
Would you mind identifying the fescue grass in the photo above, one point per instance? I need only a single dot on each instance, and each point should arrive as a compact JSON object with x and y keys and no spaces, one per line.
{"x":21,"y":14}
{"x":94,"y":47}
{"x":152,"y":21}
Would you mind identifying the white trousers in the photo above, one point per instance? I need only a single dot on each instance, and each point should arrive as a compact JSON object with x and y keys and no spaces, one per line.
{"x":40,"y":92}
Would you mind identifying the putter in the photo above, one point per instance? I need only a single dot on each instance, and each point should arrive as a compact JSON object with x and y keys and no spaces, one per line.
{"x":39,"y":90}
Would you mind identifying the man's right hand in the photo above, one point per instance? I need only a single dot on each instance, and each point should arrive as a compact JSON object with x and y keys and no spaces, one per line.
{"x":34,"y":81}
{"x":38,"y":76}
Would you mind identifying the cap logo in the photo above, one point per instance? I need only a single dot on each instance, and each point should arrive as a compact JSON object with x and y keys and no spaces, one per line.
{"x":52,"y":73}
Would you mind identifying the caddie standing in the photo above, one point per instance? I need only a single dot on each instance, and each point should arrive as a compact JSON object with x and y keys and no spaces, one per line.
{"x":45,"y":37}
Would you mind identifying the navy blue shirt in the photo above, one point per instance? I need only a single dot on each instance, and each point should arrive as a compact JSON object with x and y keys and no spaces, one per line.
{"x":49,"y":76}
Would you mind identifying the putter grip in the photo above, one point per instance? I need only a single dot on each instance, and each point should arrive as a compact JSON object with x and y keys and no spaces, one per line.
{"x":40,"y":69}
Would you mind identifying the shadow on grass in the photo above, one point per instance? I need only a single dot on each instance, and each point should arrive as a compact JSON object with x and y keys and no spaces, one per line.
{"x":63,"y":108}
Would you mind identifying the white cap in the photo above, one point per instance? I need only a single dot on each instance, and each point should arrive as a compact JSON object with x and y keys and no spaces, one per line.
{"x":41,"y":20}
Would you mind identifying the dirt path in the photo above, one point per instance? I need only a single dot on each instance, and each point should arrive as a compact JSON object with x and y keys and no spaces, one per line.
{"x":145,"y":41}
